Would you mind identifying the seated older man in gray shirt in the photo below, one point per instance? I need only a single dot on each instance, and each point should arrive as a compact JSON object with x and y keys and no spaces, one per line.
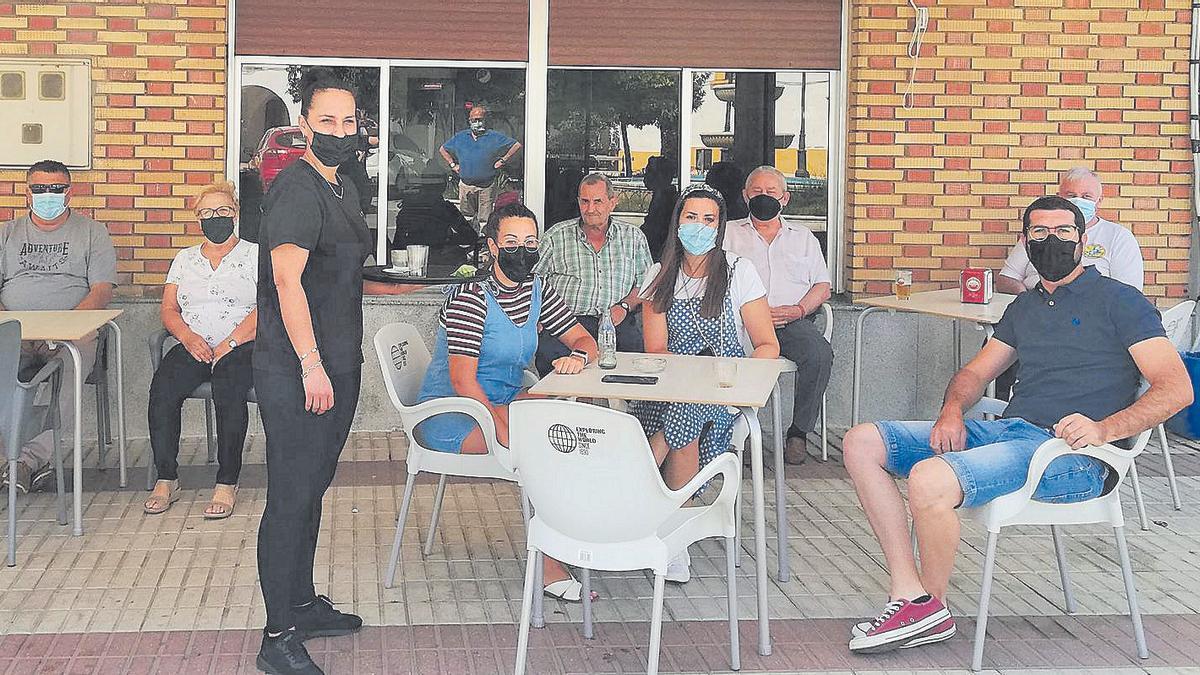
{"x":53,"y":258}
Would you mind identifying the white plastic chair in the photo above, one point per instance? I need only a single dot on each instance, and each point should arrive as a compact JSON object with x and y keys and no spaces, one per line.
{"x":403,"y":358}
{"x":599,"y":503}
{"x":1019,"y":508}
{"x":1176,"y":321}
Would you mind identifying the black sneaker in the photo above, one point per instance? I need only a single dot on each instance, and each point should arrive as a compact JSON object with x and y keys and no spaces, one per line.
{"x":320,"y":619}
{"x":41,"y":479}
{"x":285,"y":655}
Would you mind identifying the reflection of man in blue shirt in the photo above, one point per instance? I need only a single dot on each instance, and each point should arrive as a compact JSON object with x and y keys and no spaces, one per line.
{"x":476,"y":154}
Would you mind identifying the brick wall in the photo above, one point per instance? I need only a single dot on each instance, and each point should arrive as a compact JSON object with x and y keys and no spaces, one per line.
{"x":1009,"y":94}
{"x":158,"y":71}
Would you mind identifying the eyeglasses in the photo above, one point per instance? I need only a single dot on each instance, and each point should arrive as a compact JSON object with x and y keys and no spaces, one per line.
{"x":56,"y":188}
{"x":1063,"y":232}
{"x":530,"y":245}
{"x":223,"y":211}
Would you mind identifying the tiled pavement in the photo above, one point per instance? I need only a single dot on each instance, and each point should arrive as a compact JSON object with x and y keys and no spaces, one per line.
{"x":175,"y":593}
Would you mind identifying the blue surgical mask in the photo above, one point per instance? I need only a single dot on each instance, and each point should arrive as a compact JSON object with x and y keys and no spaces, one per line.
{"x":48,"y":205}
{"x":697,"y":238}
{"x":1087,"y":206}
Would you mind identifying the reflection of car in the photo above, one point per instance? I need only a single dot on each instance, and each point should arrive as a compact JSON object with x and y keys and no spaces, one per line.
{"x":280,"y":147}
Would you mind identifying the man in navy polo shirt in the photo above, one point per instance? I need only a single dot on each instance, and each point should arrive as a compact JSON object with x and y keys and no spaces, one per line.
{"x":476,"y":154}
{"x":1084,"y":342}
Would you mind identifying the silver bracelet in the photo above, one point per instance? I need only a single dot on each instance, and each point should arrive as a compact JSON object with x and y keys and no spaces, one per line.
{"x":308,"y":353}
{"x":307,"y":371}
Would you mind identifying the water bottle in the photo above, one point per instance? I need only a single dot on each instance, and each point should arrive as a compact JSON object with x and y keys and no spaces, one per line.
{"x":608,"y":342}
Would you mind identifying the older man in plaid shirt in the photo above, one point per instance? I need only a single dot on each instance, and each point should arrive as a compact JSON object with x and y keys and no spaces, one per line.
{"x":595,"y":262}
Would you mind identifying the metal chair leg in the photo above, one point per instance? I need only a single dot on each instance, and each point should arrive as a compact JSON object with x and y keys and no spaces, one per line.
{"x":735,"y":658}
{"x":59,"y":473}
{"x":1137,"y":495}
{"x":656,"y":625}
{"x":985,"y":596}
{"x":1166,"y":450}
{"x":209,"y":424}
{"x":737,"y":528}
{"x":1064,"y":574}
{"x":437,"y":513}
{"x":824,"y":427}
{"x":394,"y":560}
{"x":12,"y":513}
{"x":781,"y":521}
{"x":585,"y":578}
{"x":526,"y":601}
{"x":101,"y":445}
{"x":539,"y":616}
{"x":1139,"y":635}
{"x":525,"y":509}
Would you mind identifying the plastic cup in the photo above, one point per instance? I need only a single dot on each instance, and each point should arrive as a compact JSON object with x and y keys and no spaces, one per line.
{"x":418,"y":258}
{"x":400,"y":258}
{"x":903,"y":284}
{"x":726,"y":372}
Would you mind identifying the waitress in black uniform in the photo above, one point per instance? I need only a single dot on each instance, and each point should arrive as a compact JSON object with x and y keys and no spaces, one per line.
{"x":307,"y":363}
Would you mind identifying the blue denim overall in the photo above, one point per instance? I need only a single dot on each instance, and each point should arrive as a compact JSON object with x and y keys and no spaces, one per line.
{"x":506,"y":349}
{"x":682,"y":423}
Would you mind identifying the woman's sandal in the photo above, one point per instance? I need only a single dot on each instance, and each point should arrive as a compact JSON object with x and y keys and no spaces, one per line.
{"x":221,"y":505}
{"x":166,"y":493}
{"x":567,"y":589}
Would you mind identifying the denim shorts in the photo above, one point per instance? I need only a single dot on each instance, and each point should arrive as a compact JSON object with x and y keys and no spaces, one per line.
{"x":996,"y":461}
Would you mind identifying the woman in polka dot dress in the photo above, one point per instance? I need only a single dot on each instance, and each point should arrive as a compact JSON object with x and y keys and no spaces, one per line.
{"x":699,"y":300}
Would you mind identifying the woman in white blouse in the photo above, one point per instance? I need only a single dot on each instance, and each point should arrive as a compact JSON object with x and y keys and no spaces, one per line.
{"x":699,"y":300}
{"x":209,"y":306}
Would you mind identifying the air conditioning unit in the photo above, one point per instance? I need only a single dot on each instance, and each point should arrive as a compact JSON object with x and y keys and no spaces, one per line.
{"x":45,"y":111}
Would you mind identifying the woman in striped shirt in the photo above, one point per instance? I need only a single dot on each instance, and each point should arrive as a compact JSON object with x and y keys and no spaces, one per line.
{"x":488,"y":335}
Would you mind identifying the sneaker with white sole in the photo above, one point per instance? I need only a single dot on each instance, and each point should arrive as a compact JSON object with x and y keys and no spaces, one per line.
{"x":943,"y":631}
{"x":900,"y":622}
{"x":679,"y":569}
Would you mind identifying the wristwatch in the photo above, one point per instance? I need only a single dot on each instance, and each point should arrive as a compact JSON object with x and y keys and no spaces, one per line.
{"x":623,"y":305}
{"x":233,"y":343}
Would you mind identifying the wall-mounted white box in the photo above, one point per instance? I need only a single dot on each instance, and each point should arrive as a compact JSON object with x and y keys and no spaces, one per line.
{"x":45,"y":111}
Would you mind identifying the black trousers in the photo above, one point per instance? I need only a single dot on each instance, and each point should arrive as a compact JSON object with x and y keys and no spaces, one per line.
{"x":801,"y":342}
{"x":177,"y":376}
{"x":302,"y":456}
{"x":629,"y":339}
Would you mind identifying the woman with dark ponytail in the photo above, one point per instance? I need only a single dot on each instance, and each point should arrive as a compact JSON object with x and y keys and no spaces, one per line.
{"x":307,"y":363}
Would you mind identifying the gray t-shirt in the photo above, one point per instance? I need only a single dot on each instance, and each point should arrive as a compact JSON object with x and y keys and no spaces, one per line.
{"x":53,"y":270}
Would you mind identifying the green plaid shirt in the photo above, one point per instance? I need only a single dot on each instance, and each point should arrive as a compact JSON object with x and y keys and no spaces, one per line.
{"x":593,"y":281}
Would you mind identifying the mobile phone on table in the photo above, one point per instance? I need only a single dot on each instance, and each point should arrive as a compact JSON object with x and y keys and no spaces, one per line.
{"x":629,"y":379}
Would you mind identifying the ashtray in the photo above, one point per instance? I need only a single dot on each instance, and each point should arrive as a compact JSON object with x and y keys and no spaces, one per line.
{"x":649,"y":364}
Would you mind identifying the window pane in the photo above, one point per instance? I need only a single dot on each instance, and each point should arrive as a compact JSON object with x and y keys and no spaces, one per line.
{"x":430,"y":201}
{"x":800,"y":133}
{"x":12,"y":86}
{"x":270,"y":140}
{"x":52,"y":87}
{"x":623,"y":123}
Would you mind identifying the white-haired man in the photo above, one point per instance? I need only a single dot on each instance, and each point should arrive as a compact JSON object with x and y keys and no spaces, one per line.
{"x":788,"y":258}
{"x":1111,"y":248}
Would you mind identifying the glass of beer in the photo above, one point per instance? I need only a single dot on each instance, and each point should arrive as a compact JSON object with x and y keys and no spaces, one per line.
{"x":903,"y":284}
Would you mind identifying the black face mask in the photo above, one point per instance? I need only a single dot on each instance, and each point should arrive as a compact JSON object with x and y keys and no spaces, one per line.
{"x":518,"y":265}
{"x":332,"y":151}
{"x":217,"y":229}
{"x":1052,"y":257}
{"x":764,"y":207}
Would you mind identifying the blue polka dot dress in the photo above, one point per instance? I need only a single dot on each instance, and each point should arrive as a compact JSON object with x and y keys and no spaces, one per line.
{"x":682,"y":423}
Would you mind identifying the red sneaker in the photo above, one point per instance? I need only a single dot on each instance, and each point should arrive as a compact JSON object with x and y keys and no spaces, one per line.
{"x":900,"y":622}
{"x":939,"y":633}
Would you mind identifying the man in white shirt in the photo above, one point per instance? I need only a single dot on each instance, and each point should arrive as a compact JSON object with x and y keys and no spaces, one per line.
{"x":1111,"y":248}
{"x":788,"y":259}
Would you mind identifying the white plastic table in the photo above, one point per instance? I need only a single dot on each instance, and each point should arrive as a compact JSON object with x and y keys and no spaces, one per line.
{"x":692,"y":379}
{"x":944,"y":303}
{"x":59,"y":329}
